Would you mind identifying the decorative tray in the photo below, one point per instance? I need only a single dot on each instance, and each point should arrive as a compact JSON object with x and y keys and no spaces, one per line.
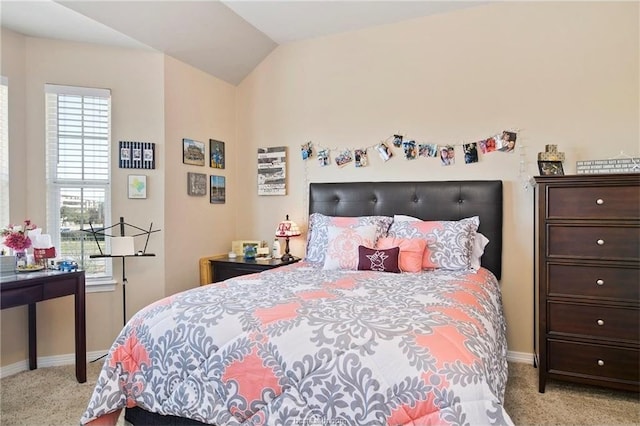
{"x":30,"y":268}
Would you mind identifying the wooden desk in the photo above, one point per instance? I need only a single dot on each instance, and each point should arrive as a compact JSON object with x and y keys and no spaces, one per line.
{"x":28,"y":288}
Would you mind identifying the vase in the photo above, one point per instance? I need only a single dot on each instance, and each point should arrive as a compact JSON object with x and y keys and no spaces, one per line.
{"x":21,"y":258}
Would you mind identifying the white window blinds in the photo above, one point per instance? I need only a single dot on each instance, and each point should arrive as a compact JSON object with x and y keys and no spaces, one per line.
{"x":4,"y":151}
{"x":78,"y":172}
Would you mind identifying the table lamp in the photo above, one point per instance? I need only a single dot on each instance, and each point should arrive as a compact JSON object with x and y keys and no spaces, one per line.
{"x":287,"y":229}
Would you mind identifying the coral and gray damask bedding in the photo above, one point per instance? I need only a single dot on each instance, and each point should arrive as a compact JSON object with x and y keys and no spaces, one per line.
{"x":303,"y":345}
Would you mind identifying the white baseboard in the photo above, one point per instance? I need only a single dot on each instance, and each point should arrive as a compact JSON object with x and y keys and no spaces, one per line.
{"x":47,"y":361}
{"x":58,"y":360}
{"x":521,"y":357}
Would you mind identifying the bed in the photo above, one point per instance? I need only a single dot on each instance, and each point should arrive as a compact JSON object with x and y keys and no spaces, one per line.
{"x":321,"y":341}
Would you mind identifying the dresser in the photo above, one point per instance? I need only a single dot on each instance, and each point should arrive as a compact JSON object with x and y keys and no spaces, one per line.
{"x":588,"y":280}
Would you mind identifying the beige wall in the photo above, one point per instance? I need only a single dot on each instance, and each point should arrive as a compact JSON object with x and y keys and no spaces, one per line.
{"x":201,"y":107}
{"x":154,"y":99}
{"x":561,"y":73}
{"x":136,"y":81}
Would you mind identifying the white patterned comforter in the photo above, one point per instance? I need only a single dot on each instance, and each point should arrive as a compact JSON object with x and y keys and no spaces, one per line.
{"x":301,"y":345}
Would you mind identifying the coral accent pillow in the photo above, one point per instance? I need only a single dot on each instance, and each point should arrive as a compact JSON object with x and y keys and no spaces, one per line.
{"x":342,"y":245}
{"x":411,"y":251}
{"x":381,"y":260}
{"x":449,"y":243}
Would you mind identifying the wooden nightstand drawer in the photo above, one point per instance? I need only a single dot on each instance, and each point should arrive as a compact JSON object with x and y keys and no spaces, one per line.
{"x":614,"y":323}
{"x":595,"y":361}
{"x":599,"y":282}
{"x":223,"y":268}
{"x":605,"y":202}
{"x":594,"y":242}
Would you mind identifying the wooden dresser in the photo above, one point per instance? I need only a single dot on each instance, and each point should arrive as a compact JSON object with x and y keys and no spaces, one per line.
{"x":588,"y":279}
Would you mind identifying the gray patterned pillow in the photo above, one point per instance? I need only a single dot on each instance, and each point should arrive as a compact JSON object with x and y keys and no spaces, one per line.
{"x":318,"y":238}
{"x":449,"y":243}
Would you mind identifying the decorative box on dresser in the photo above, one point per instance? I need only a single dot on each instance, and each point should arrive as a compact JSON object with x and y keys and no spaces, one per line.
{"x":588,"y":280}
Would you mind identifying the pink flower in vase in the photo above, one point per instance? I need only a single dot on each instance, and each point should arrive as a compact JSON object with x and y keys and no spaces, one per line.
{"x":16,"y":237}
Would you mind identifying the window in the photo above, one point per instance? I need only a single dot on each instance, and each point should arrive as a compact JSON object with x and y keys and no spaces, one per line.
{"x":78,"y":174}
{"x":4,"y":152}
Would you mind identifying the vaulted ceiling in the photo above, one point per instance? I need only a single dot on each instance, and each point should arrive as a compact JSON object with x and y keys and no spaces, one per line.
{"x":227,"y":39}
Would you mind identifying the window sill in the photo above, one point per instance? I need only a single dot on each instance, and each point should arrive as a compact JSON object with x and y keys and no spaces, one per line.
{"x":100,"y":285}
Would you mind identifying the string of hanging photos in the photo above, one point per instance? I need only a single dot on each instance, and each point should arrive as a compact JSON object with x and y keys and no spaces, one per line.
{"x":504,"y":141}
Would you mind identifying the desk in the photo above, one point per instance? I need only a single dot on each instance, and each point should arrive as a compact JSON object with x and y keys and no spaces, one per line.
{"x":28,"y":288}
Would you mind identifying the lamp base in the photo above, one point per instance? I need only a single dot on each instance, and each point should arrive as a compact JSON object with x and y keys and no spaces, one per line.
{"x":286,"y":257}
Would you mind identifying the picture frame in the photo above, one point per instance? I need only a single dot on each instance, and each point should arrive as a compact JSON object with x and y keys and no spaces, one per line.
{"x":193,"y":152}
{"x":238,"y":246}
{"x":137,"y":186}
{"x":216,"y":154}
{"x":272,"y":170}
{"x":197,"y":184}
{"x":217,"y":189}
{"x":550,"y":168}
{"x":137,"y":155}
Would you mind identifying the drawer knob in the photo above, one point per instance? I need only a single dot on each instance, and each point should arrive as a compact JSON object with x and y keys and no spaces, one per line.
{"x":600,"y":322}
{"x":600,"y":242}
{"x":600,"y":362}
{"x":600,"y":282}
{"x":599,"y":201}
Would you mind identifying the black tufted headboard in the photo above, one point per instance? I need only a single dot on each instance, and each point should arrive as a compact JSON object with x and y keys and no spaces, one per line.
{"x":437,"y":200}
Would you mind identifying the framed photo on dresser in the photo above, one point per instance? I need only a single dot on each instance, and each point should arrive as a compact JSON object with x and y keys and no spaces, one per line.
{"x":550,"y":168}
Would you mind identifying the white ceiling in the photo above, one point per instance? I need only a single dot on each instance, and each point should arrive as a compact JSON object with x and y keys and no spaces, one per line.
{"x":227,"y":39}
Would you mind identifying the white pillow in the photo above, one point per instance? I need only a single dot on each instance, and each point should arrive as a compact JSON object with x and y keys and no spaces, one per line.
{"x":477,"y":250}
{"x":343,"y":242}
{"x":404,"y":218}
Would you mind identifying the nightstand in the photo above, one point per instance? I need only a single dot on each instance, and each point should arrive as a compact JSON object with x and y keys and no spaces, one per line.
{"x":223,"y":267}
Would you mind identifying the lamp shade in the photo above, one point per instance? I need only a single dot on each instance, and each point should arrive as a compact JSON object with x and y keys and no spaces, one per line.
{"x":287,"y":228}
{"x":122,"y":246}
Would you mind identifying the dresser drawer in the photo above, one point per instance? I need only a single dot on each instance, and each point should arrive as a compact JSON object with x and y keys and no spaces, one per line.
{"x":594,"y":242}
{"x":594,"y":321}
{"x":594,"y":361}
{"x":601,"y":282}
{"x":603,"y":202}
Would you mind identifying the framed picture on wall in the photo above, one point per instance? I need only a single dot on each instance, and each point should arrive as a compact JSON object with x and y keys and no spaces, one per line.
{"x":197,"y":184}
{"x":218,"y":189}
{"x":137,"y":186}
{"x":216,"y":154}
{"x":193,"y":152}
{"x":137,"y":155}
{"x":272,"y":170}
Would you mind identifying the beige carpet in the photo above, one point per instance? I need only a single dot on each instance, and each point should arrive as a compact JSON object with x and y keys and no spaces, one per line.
{"x":51,"y":396}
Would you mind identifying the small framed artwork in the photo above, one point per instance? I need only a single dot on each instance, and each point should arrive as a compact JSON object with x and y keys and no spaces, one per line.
{"x":272,"y":170}
{"x":550,"y":168}
{"x":216,"y":154}
{"x":193,"y":152}
{"x":197,"y":184}
{"x":218,"y":189}
{"x":137,"y":155}
{"x":137,"y":186}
